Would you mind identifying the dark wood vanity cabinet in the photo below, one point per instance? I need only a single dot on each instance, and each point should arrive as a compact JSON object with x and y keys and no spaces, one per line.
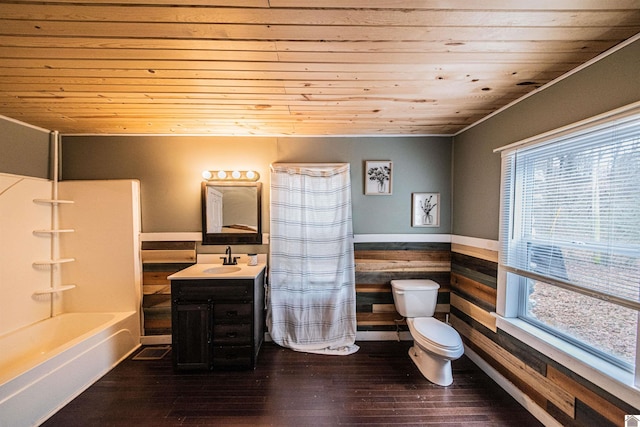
{"x":217,"y":323}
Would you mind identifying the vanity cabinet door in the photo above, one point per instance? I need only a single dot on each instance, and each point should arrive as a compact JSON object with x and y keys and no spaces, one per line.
{"x":191,"y":344}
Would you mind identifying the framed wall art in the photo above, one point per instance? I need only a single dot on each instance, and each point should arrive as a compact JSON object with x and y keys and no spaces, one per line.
{"x":378,"y":177}
{"x":425,"y":209}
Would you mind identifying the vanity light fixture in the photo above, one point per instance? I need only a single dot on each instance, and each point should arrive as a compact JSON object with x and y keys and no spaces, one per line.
{"x":236,"y":175}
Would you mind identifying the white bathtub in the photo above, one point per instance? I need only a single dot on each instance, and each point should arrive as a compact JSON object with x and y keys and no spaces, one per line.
{"x":45,"y":365}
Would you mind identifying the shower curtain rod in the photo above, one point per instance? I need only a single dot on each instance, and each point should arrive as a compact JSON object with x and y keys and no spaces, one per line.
{"x":308,"y":165}
{"x":313,"y":169}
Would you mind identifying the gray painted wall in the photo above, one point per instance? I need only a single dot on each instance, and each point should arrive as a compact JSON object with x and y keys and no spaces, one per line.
{"x":169,"y":172}
{"x":608,"y":84}
{"x":24,"y":150}
{"x":419,"y":165}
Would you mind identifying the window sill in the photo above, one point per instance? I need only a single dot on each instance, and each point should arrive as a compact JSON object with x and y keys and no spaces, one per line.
{"x":611,"y":378}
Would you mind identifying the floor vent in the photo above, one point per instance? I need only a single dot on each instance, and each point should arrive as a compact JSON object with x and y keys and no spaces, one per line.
{"x":152,"y":353}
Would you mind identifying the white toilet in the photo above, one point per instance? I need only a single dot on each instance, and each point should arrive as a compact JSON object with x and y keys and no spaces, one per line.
{"x":436,"y":344}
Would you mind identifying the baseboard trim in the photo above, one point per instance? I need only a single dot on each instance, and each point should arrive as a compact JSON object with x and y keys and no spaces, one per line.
{"x":360,"y":336}
{"x":383,"y":336}
{"x":155,"y":339}
{"x":370,"y":336}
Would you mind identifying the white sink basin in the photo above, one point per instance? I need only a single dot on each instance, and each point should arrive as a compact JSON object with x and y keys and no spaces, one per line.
{"x":218,"y":271}
{"x":224,"y":269}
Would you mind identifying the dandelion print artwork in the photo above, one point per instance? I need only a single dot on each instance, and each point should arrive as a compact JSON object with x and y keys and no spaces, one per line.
{"x":377,"y":180}
{"x":425,"y":210}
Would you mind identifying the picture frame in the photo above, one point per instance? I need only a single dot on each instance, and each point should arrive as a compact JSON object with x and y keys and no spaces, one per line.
{"x":378,"y":177}
{"x":425,"y":209}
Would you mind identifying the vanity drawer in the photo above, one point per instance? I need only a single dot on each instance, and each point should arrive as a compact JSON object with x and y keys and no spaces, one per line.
{"x":232,"y":333}
{"x":232,"y":313}
{"x":211,"y":289}
{"x":232,"y":357}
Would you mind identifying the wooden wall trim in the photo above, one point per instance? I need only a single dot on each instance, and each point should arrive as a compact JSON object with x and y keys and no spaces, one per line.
{"x":549,"y":389}
{"x":473,"y":311}
{"x":378,"y":263}
{"x":568,"y":391}
{"x":485,"y":254}
{"x":384,"y":238}
{"x":530,"y":404}
{"x":357,"y":238}
{"x":476,"y":292}
{"x":602,"y":406}
{"x":475,"y":242}
{"x":171,"y":237}
{"x":601,"y":378}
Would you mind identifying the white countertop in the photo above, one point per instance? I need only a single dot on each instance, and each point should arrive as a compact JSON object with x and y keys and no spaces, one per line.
{"x":197,"y":271}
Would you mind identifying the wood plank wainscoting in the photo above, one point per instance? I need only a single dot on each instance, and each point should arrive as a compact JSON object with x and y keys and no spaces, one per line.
{"x":160,"y":260}
{"x":379,"y":263}
{"x":563,"y":394}
{"x":376,"y":265}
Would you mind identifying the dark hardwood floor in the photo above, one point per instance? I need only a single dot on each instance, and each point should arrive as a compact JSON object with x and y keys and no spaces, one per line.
{"x":377,"y":386}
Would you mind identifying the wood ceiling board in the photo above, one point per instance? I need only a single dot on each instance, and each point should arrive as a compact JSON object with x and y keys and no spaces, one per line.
{"x":145,"y":30}
{"x":317,"y":16}
{"x":286,"y":67}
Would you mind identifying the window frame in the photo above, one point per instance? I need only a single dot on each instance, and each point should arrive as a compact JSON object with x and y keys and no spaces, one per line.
{"x":621,"y":383}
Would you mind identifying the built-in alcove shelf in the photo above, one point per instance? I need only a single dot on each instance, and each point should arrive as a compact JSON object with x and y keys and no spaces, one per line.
{"x":54,"y":261}
{"x":67,"y":230}
{"x":53,"y":201}
{"x":54,"y":290}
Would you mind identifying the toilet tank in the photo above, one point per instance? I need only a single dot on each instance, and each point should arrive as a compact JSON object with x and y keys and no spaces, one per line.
{"x":415,"y":297}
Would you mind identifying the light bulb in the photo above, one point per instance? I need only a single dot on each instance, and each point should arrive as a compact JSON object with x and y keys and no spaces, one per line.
{"x":250,"y":174}
{"x":222,"y":174}
{"x":206,"y":174}
{"x":235,"y":174}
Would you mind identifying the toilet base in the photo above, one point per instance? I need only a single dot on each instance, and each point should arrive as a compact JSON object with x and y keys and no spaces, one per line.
{"x":435,"y":369}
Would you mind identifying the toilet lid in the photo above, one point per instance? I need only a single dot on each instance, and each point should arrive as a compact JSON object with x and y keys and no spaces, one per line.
{"x":415,"y":285}
{"x":437,"y":333}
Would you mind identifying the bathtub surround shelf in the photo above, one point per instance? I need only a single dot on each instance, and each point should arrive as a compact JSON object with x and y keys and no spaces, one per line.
{"x":54,"y":290}
{"x":67,"y":230}
{"x":217,"y":320}
{"x":54,"y":232}
{"x":53,"y":201}
{"x":54,"y":261}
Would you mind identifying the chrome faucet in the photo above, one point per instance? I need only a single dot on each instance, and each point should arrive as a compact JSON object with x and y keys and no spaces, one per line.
{"x":228,"y":260}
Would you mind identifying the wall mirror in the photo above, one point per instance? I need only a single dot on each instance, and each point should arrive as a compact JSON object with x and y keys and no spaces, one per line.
{"x":231,"y":213}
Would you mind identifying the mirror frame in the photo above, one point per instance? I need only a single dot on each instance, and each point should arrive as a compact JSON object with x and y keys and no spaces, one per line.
{"x":232,"y":238}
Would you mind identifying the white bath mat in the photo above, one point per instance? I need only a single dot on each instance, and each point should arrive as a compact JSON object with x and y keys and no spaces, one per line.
{"x":152,"y":353}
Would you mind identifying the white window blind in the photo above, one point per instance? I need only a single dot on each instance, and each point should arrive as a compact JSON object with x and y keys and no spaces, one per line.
{"x":571,"y":210}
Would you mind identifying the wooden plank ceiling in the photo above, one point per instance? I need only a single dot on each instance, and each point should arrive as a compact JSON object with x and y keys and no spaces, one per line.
{"x":290,"y":67}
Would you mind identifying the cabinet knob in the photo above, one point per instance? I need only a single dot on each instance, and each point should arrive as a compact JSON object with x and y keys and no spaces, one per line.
{"x":232,"y":334}
{"x":232,"y":313}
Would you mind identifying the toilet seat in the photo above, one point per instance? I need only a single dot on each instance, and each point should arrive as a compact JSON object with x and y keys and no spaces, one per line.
{"x":436,"y":336}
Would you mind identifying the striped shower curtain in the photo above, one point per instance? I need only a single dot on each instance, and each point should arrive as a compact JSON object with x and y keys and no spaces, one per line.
{"x":311,"y":298}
